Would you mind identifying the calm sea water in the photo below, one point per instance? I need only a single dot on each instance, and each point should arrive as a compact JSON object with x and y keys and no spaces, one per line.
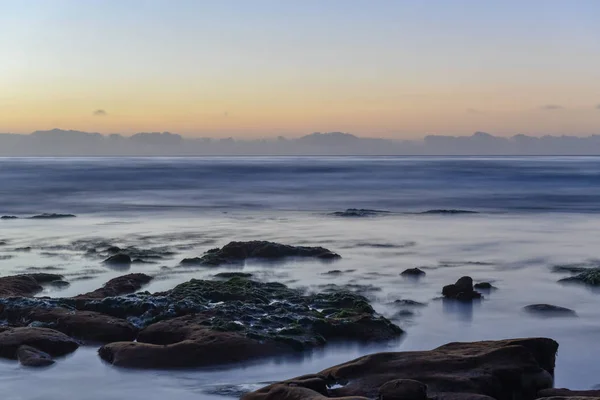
{"x":533,"y":213}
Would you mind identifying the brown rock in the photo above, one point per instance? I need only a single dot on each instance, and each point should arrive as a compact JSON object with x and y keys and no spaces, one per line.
{"x":403,"y":389}
{"x":199,"y":347}
{"x":25,"y":285}
{"x":50,"y":341}
{"x":86,"y":325}
{"x":32,"y":357}
{"x":502,"y":369}
{"x":119,"y":286}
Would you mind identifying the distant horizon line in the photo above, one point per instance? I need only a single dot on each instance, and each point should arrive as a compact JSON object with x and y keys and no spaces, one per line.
{"x":315,"y":133}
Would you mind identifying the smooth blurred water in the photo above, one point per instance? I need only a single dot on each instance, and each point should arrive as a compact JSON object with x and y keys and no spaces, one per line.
{"x":535,"y":213}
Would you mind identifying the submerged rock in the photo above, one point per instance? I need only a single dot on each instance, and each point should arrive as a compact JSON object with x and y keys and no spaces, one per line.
{"x":484,"y":286}
{"x":32,"y":357}
{"x":448,"y":211}
{"x":118,"y":286}
{"x":237,"y":252}
{"x":49,"y":341}
{"x":229,"y":275}
{"x":359,"y":212}
{"x":9,"y":217}
{"x":549,"y":310}
{"x":461,"y":290}
{"x":26,"y":284}
{"x":413,"y":272}
{"x":118,"y":259}
{"x":52,"y":216}
{"x":408,"y":303}
{"x":503,"y":370}
{"x":588,"y":277}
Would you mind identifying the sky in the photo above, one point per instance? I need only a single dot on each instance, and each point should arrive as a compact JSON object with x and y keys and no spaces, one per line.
{"x":261,"y":68}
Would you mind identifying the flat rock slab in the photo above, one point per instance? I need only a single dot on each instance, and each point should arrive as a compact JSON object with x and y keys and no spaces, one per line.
{"x":50,"y":341}
{"x":237,"y":252}
{"x":502,"y":369}
{"x":85,"y":325}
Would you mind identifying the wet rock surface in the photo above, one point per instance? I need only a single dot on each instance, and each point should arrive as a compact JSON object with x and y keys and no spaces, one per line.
{"x":359,"y":212}
{"x":32,"y":357}
{"x":548,"y":310}
{"x":26,"y":284}
{"x":121,"y":285}
{"x":50,"y":341}
{"x":238,"y":252}
{"x":118,"y":259}
{"x":462,"y":290}
{"x":589,"y":277}
{"x":504,"y":370}
{"x":52,"y":216}
{"x":251,"y":319}
{"x":448,"y":212}
{"x":413,"y":272}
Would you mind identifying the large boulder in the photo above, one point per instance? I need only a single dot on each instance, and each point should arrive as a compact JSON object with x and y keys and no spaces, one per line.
{"x":461,"y":290}
{"x":237,"y":252}
{"x":50,"y":341}
{"x":504,"y":370}
{"x":200,"y":347}
{"x":119,"y":286}
{"x":85,"y":325}
{"x":26,"y":284}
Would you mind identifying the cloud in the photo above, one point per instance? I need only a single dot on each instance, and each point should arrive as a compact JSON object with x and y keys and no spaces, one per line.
{"x":100,"y":113}
{"x":552,"y":107}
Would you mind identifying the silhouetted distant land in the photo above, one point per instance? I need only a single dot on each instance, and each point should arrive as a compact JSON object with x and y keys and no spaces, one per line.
{"x":57,"y":142}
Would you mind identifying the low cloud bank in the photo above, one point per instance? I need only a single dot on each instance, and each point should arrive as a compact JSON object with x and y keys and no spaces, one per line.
{"x":75,"y":143}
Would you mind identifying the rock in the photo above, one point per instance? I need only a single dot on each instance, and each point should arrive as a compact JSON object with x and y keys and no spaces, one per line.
{"x":47,"y":340}
{"x":118,"y":259}
{"x":548,"y":310}
{"x":267,"y":318}
{"x":52,"y":216}
{"x":23,"y":249}
{"x":413,"y":272}
{"x":567,"y":393}
{"x":32,"y":357}
{"x":237,"y":252}
{"x":403,"y":389}
{"x":460,"y":396}
{"x":503,"y":370}
{"x":408,"y":303}
{"x":199,"y":347}
{"x":229,"y":275}
{"x":573,"y":268}
{"x":589,"y":277}
{"x":26,"y":284}
{"x":448,"y":211}
{"x":484,"y":286}
{"x":462,"y":290}
{"x":359,"y":212}
{"x":333,"y":272}
{"x":8,"y":217}
{"x":84,"y":325}
{"x":121,"y":285}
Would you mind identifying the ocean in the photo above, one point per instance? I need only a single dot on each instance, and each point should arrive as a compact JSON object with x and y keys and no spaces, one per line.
{"x":528,"y":214}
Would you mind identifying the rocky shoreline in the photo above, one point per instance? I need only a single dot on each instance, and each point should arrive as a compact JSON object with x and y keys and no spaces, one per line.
{"x":234,"y":318}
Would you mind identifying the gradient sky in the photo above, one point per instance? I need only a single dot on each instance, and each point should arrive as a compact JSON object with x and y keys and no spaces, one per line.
{"x":259,"y":68}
